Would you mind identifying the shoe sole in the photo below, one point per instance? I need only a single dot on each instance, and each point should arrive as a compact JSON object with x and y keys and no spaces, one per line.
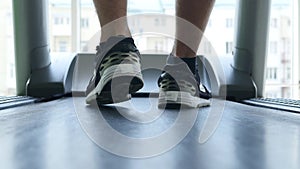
{"x":123,"y":80}
{"x":178,"y":99}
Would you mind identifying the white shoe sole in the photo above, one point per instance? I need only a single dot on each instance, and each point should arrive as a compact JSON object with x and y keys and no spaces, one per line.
{"x":173,"y":99}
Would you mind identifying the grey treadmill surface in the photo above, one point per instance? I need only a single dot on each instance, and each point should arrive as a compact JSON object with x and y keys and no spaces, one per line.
{"x":49,"y":135}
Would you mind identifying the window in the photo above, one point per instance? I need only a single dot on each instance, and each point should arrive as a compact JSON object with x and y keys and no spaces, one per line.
{"x":288,"y":74}
{"x":158,"y":46}
{"x":60,"y":30}
{"x":224,"y":12}
{"x":62,"y":46}
{"x":271,"y":74}
{"x":84,"y":22}
{"x":60,"y":20}
{"x":229,"y":22}
{"x":7,"y":63}
{"x":56,"y":20}
{"x":156,"y":22}
{"x":220,"y":29}
{"x":68,"y":21}
{"x":229,"y":47}
{"x":286,"y":45}
{"x":89,"y":30}
{"x":282,"y":79}
{"x":160,"y":21}
{"x":281,"y":63}
{"x":289,"y":22}
{"x":274,"y":23}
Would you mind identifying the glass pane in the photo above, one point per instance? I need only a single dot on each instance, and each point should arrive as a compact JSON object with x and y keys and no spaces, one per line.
{"x":7,"y":64}
{"x":89,"y":27}
{"x":280,"y":80}
{"x":222,"y":18}
{"x":60,"y":25}
{"x":220,"y":28}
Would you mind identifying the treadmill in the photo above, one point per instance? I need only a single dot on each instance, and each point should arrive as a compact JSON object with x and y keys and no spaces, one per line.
{"x":48,"y":125}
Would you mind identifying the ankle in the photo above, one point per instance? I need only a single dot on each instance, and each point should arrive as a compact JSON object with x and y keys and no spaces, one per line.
{"x":117,"y":31}
{"x":191,"y":62}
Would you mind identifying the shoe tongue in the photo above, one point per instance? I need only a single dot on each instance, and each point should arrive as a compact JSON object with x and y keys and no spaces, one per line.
{"x":182,"y":67}
{"x":105,"y":47}
{"x":192,"y":66}
{"x":180,"y":71}
{"x":177,"y":64}
{"x":173,"y":59}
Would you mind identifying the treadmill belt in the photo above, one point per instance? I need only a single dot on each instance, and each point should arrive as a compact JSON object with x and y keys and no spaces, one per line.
{"x":276,"y":103}
{"x":59,"y":134}
{"x":14,"y":101}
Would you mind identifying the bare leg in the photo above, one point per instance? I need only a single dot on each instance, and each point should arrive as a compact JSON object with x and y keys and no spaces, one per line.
{"x":112,"y":18}
{"x":197,"y":13}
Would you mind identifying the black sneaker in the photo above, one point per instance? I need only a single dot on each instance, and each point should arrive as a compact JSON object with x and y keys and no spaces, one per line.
{"x":117,"y":73}
{"x":179,"y":87}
